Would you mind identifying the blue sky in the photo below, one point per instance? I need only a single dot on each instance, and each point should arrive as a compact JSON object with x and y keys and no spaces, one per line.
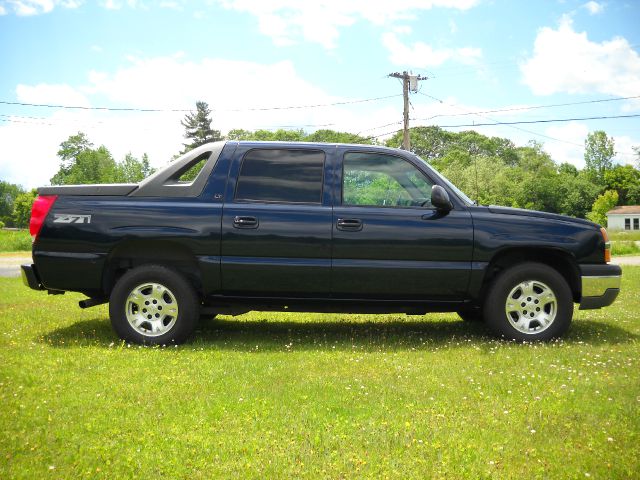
{"x":240,"y":55}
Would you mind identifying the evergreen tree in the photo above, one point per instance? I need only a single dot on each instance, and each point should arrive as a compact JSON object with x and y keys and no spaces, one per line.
{"x":198,"y":127}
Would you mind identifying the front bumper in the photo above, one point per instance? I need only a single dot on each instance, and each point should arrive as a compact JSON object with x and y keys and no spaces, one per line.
{"x":30,"y":277}
{"x":600,"y":285}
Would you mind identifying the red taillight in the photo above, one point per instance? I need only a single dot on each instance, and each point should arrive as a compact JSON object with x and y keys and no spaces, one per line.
{"x":39,"y":211}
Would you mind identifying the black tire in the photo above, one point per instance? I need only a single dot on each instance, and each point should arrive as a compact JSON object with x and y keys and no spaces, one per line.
{"x":471,"y":314}
{"x":148,"y":296}
{"x":529,"y":302}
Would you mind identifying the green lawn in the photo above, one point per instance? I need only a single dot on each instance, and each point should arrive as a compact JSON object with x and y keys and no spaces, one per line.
{"x":316,"y":396}
{"x":14,"y":240}
{"x":624,"y":235}
{"x":624,"y":248}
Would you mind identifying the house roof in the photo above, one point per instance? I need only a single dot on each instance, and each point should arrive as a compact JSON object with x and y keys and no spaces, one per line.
{"x":625,"y":210}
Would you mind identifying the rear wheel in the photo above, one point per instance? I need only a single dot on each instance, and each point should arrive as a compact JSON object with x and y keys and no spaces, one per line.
{"x":529,"y":301}
{"x":153,"y":305}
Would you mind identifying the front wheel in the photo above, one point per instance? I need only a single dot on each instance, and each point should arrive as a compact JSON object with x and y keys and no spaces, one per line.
{"x":153,"y":305}
{"x":529,"y":302}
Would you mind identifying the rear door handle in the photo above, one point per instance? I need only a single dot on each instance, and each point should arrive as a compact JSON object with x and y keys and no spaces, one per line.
{"x":245,"y":222}
{"x":349,"y":224}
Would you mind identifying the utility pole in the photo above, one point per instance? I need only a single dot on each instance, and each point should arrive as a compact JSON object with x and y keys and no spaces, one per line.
{"x":409,"y":83}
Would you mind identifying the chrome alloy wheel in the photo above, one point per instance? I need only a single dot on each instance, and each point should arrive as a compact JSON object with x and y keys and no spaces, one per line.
{"x":531,"y":307}
{"x":151,"y":309}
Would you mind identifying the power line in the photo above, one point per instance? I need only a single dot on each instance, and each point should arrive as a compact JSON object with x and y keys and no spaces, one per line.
{"x":293,"y":107}
{"x":532,"y":107}
{"x":79,"y":107}
{"x":169,"y":110}
{"x":551,"y":120}
{"x":532,"y":121}
{"x":480,"y":113}
{"x":511,"y":126}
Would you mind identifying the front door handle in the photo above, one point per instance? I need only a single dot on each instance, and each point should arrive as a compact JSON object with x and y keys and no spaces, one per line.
{"x":349,"y":224}
{"x":245,"y":222}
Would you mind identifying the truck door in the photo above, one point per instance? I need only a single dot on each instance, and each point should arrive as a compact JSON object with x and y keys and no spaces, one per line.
{"x":388,"y":241}
{"x":276,"y":223}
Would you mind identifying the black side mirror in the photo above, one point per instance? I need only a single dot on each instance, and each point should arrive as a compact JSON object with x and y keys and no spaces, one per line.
{"x":440,"y":199}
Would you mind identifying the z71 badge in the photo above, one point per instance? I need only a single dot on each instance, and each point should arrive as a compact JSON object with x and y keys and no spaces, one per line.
{"x":71,"y":218}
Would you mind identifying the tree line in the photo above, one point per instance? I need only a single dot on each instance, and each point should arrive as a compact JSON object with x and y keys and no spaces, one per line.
{"x":80,"y":163}
{"x":491,"y":170}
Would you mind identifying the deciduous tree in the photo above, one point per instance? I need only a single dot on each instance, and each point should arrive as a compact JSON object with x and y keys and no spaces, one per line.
{"x":602,"y":205}
{"x":625,"y":180}
{"x":8,"y":194}
{"x":598,"y":154}
{"x":22,"y":208}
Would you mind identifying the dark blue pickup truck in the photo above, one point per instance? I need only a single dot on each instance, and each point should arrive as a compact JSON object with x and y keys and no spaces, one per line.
{"x":238,"y":226}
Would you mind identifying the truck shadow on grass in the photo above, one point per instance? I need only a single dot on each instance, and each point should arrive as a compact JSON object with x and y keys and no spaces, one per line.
{"x":263,"y":335}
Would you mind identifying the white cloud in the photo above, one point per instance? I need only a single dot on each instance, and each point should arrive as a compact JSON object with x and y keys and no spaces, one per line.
{"x":624,"y":149}
{"x":594,"y":7}
{"x":567,"y":61}
{"x":36,"y":7}
{"x":118,"y":4}
{"x":173,"y":5}
{"x":422,"y":55}
{"x":575,"y":134}
{"x":572,"y":152}
{"x":320,"y":21}
{"x":168,"y":83}
{"x":51,"y":94}
{"x":111,"y":4}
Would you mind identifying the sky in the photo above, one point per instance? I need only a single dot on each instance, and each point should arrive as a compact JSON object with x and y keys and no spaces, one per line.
{"x":311,"y":65}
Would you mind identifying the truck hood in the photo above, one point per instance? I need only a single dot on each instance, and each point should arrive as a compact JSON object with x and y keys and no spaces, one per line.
{"x":534,"y":213}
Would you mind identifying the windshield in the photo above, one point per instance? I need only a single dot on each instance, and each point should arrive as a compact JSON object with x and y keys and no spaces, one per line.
{"x":446,"y":181}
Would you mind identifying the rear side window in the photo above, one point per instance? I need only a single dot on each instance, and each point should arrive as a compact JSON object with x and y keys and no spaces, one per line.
{"x":281,"y":175}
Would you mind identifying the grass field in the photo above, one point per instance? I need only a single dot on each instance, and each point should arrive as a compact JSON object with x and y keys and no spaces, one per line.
{"x":313,"y":396}
{"x":625,"y":248}
{"x":625,"y":235}
{"x":14,"y":240}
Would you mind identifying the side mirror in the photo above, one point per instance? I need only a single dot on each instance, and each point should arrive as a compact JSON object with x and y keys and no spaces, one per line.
{"x":440,"y":199}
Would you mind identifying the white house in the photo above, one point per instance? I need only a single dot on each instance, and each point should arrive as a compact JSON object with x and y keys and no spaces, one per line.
{"x":626,"y":217}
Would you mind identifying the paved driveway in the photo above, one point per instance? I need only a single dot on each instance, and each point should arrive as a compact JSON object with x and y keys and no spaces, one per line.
{"x":10,"y":265}
{"x":631,"y":260}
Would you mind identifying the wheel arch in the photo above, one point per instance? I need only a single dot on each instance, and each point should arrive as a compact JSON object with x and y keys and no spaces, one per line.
{"x":133,"y":253}
{"x":559,"y":260}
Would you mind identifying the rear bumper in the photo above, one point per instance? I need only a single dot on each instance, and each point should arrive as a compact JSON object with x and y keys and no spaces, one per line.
{"x":30,"y":277}
{"x":600,"y":285}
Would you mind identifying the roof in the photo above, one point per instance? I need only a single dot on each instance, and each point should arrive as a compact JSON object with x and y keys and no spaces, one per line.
{"x":625,"y":210}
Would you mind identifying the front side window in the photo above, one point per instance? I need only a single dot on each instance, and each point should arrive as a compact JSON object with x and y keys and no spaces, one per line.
{"x":636,"y":224}
{"x":627,"y":224}
{"x":281,"y":175}
{"x":372,"y":179}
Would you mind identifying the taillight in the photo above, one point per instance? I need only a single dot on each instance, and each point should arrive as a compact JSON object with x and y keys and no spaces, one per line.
{"x":607,"y":245}
{"x":39,"y":211}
